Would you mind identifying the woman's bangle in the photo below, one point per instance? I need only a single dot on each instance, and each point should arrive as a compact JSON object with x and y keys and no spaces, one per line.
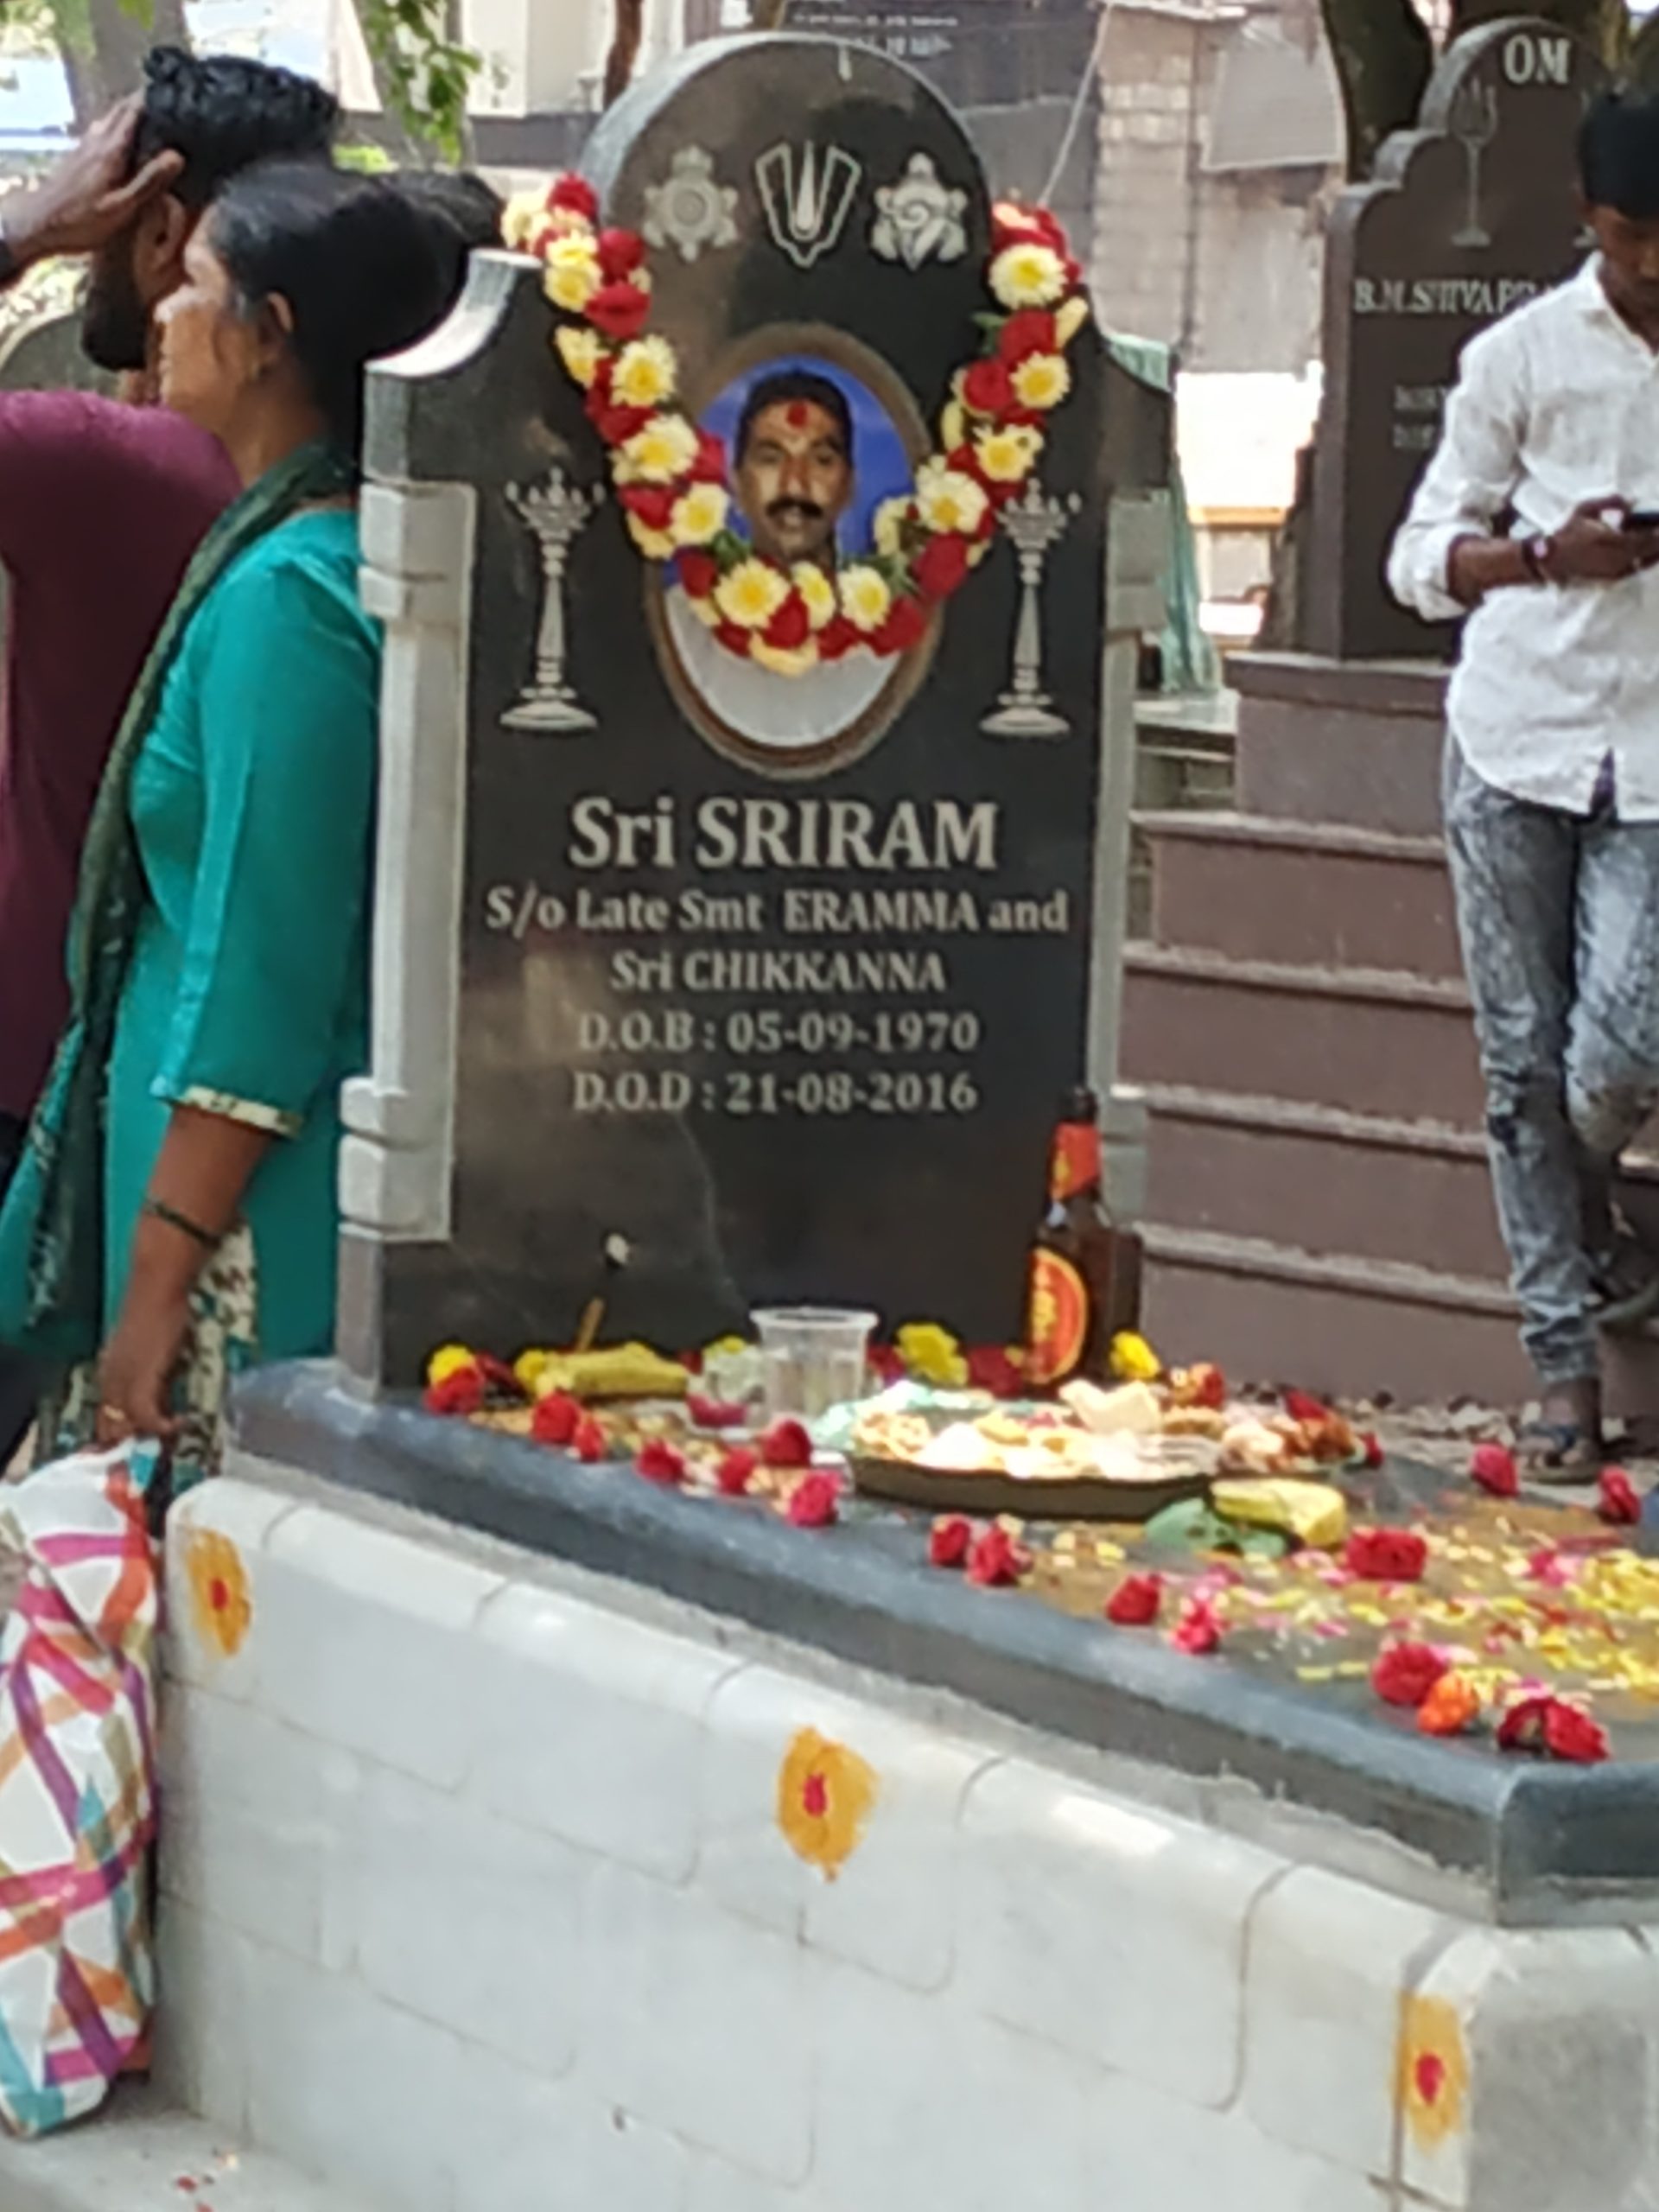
{"x":1535,"y":555}
{"x":162,"y":1211}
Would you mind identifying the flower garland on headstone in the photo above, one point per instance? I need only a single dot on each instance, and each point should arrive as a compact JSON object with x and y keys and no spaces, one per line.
{"x":671,"y":477}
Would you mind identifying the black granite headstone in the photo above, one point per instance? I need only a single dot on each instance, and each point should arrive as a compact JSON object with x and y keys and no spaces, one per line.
{"x":1468,"y":216}
{"x":771,"y":1003}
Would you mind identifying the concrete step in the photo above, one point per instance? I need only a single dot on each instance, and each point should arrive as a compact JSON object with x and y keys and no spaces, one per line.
{"x":1300,"y":894}
{"x":1374,"y":1041}
{"x":1353,"y":742}
{"x":137,"y":2155}
{"x":1335,"y":1323}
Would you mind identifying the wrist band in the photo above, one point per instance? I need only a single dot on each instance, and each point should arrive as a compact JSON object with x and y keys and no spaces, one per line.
{"x":1534,"y":555}
{"x":175,"y":1219}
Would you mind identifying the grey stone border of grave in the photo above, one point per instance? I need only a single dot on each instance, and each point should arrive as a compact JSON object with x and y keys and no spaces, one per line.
{"x":1532,"y":1845}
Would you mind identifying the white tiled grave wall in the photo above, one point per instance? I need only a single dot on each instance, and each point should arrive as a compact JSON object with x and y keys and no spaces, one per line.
{"x":491,"y":1887}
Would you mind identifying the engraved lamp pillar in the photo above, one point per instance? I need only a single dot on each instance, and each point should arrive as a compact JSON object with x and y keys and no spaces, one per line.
{"x":557,"y":512}
{"x":1033,"y":525}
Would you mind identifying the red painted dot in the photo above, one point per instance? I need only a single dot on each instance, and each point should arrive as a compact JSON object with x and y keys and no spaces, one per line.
{"x":797,"y":414}
{"x":219,"y":1594}
{"x":815,"y":1797}
{"x":1430,"y":2076}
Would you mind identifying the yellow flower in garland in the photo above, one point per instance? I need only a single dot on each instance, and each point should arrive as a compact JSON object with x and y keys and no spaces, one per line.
{"x":655,"y":545}
{"x":796,"y":661}
{"x":818,"y":594}
{"x":947,"y":499}
{"x":660,"y":454}
{"x":865,"y":600}
{"x":644,"y":373}
{"x":888,"y":525}
{"x":932,"y":1355}
{"x":826,"y":1795}
{"x":220,"y":1604}
{"x":580,"y":350}
{"x":527,"y":1369}
{"x":1028,"y":275}
{"x":953,"y":424}
{"x":1008,"y":456}
{"x":1070,"y":319}
{"x":1432,"y":2070}
{"x":1134,"y":1359}
{"x":1042,"y":380}
{"x":750,"y":594}
{"x":570,"y":272}
{"x":699,"y":514}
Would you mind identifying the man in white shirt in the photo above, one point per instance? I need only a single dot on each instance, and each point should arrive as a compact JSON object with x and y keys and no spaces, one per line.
{"x":1539,"y":519}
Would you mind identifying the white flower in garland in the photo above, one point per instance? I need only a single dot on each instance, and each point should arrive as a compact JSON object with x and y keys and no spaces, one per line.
{"x":887,"y":526}
{"x":750,"y":594}
{"x":699,"y":514}
{"x":865,"y":600}
{"x":1028,"y":276}
{"x":571,"y":272}
{"x":581,"y":351}
{"x":661,"y":453}
{"x":947,"y":499}
{"x":644,"y":373}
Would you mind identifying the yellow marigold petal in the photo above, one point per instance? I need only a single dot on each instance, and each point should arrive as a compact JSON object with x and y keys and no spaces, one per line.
{"x":447,"y":1360}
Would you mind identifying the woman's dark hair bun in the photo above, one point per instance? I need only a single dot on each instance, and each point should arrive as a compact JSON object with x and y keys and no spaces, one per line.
{"x":359,"y":266}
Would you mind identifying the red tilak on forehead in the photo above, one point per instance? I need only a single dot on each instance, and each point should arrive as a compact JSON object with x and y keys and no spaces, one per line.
{"x":799,"y":414}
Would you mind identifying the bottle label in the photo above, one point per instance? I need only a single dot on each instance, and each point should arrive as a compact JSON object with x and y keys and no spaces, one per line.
{"x":1075,"y":1163}
{"x":1058,"y":1323}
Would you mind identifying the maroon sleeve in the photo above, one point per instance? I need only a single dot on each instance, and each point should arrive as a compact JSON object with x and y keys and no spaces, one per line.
{"x":54,"y":446}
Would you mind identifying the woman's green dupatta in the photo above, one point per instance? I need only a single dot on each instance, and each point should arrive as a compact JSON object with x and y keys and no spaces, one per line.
{"x":52,"y":1223}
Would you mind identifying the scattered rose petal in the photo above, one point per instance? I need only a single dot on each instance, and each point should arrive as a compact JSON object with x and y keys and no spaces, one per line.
{"x":1615,"y":1499}
{"x":1386,"y":1554}
{"x":737,"y":1466}
{"x":1452,"y":1705}
{"x":1197,"y":1631}
{"x":460,"y":1392}
{"x":1135,"y":1601}
{"x":814,"y":1501}
{"x":1493,"y":1467}
{"x":949,"y":1540}
{"x":786,"y":1443}
{"x":714,"y":1412}
{"x":1549,"y":1726}
{"x":995,"y":1559}
{"x":1372,"y":1452}
{"x":588,"y":1442}
{"x":556,"y":1419}
{"x":1404,"y":1674}
{"x":659,"y":1462}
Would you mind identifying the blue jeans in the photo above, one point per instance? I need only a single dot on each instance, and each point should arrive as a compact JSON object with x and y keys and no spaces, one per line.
{"x":1559,"y":915}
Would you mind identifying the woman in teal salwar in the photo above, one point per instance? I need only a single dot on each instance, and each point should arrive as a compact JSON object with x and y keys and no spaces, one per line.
{"x":175,"y":1211}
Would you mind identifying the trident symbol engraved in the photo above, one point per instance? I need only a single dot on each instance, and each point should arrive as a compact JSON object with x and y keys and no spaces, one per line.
{"x":807,"y":199}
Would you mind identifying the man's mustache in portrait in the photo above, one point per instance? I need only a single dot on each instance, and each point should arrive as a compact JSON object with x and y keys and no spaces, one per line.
{"x":795,"y":510}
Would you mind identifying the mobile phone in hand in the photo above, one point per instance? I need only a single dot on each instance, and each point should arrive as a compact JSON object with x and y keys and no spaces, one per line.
{"x":1641,"y":519}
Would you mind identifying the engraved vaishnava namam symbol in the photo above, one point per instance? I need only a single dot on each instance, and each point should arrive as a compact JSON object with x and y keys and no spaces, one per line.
{"x":808,"y":196}
{"x":557,"y":511}
{"x":1474,"y":125}
{"x":1033,"y":525}
{"x":692,"y":209}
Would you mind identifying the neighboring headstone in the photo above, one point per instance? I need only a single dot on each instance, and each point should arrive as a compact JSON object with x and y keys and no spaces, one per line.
{"x":702,"y":996}
{"x":1468,"y":216}
{"x":45,"y":355}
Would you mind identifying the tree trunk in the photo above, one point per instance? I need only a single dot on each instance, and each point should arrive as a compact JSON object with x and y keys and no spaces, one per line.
{"x":103,"y":48}
{"x":1383,"y":55}
{"x":628,"y":30}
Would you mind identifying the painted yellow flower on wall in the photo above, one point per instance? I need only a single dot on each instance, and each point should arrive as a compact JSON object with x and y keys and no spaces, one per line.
{"x":826,"y":1795}
{"x":1431,"y":2078}
{"x":220,"y":1603}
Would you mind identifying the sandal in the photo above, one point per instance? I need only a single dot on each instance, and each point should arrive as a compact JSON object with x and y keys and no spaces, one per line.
{"x":1558,"y":1452}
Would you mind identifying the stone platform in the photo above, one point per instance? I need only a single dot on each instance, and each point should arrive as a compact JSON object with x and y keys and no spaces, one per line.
{"x":500,"y":1874}
{"x":1318,"y":1200}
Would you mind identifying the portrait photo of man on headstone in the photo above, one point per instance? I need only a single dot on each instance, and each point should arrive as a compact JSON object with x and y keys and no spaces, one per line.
{"x":812,"y":456}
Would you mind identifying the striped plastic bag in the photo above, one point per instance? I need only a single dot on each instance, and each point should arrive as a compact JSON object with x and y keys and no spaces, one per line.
{"x":76,"y":1788}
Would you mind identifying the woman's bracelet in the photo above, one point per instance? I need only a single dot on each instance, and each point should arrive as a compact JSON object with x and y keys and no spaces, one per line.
{"x":175,"y":1219}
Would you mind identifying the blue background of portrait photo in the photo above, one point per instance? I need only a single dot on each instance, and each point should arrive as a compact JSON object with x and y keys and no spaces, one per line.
{"x":882,"y":466}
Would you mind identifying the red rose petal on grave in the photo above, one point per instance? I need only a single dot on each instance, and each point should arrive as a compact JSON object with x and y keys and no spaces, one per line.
{"x":950,"y":1540}
{"x":556,"y":1419}
{"x":659,"y":1462}
{"x":1300,"y":1407}
{"x":1617,"y":1501}
{"x":1493,"y":1467}
{"x":1404,"y":1674}
{"x":460,"y":1393}
{"x":786,"y":1443}
{"x":714,"y":1412}
{"x":1135,"y":1601}
{"x":1198,"y":1630}
{"x":1386,"y":1554}
{"x":814,"y":1501}
{"x":588,"y":1442}
{"x":995,"y":1559}
{"x":1573,"y":1735}
{"x":734,"y":1470}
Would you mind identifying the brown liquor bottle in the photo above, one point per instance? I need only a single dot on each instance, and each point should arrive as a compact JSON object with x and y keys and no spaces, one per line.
{"x":1085,"y":1274}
